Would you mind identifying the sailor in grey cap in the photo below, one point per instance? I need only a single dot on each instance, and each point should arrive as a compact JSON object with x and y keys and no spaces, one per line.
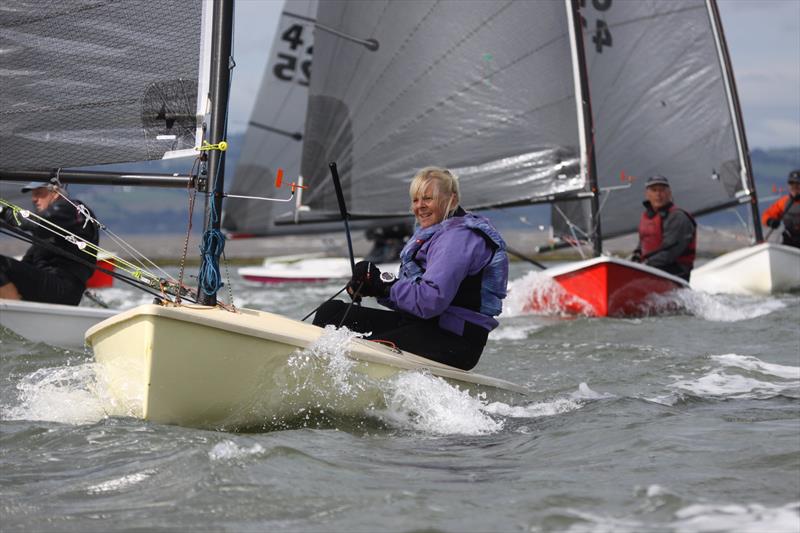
{"x":53,"y":270}
{"x":667,"y":234}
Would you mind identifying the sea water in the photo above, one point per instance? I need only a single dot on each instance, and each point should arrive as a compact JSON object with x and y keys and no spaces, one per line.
{"x":682,"y":423}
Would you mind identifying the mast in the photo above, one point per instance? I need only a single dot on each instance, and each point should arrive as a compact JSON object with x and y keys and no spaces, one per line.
{"x":221,"y":38}
{"x":585,"y":117}
{"x":736,"y":113}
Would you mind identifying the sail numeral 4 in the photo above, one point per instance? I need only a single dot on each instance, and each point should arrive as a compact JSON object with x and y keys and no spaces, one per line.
{"x":287,"y":64}
{"x":601,"y":37}
{"x":294,"y":36}
{"x":602,"y":34}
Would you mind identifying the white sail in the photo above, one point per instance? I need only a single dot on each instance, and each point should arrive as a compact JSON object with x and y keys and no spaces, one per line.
{"x":483,"y":87}
{"x":274,"y":136}
{"x":661,"y":104}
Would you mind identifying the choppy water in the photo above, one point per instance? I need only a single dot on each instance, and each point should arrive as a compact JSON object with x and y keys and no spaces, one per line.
{"x":682,"y":423}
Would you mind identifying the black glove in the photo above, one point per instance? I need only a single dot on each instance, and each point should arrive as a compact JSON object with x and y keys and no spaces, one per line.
{"x":7,"y":215}
{"x":772,"y":223}
{"x":366,"y":281}
{"x":636,"y":256}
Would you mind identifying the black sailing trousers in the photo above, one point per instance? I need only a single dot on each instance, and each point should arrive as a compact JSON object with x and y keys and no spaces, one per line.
{"x":409,"y":333}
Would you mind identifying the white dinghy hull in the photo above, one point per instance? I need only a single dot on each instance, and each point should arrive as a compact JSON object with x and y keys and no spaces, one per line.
{"x":764,"y":268}
{"x":54,"y":324}
{"x":206,"y":367}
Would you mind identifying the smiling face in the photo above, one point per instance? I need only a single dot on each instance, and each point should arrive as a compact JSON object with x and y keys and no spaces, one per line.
{"x":42,"y":197}
{"x":429,"y":206}
{"x":658,"y":195}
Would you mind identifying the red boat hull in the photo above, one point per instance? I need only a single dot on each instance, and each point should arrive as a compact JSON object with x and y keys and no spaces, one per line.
{"x":609,"y":287}
{"x":100,"y":279}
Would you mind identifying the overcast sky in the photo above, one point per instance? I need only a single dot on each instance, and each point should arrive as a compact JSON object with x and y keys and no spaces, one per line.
{"x":763,"y":39}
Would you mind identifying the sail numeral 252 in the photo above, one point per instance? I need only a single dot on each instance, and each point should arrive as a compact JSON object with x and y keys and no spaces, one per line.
{"x":287,"y":65}
{"x":602,"y":35}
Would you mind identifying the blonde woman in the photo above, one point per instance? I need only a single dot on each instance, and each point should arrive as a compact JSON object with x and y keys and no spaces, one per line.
{"x":453,"y":277}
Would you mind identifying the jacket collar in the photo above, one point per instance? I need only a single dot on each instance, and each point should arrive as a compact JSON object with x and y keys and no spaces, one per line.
{"x":652,"y":212}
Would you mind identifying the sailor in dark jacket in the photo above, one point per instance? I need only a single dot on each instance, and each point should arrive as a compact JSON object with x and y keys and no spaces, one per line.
{"x":48,"y":272}
{"x":667,"y":234}
{"x":786,"y":211}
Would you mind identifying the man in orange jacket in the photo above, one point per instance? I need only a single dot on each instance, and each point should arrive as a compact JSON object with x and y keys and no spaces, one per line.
{"x":787,"y":211}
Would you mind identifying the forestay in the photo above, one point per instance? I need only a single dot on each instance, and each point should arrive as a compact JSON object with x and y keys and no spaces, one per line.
{"x":87,"y":82}
{"x":485,"y":88}
{"x":661,"y":105}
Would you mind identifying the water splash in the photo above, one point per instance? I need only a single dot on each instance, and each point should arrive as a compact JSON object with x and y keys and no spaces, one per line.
{"x":228,"y":450}
{"x":429,"y":404}
{"x":328,"y":356}
{"x":538,"y":293}
{"x":64,"y":394}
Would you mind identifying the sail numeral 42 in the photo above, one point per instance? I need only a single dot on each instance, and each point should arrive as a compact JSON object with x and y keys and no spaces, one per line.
{"x":287,"y":65}
{"x":602,"y":35}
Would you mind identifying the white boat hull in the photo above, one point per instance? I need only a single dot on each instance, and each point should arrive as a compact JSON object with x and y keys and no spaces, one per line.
{"x":54,"y":324}
{"x":764,"y":268}
{"x":206,"y":367}
{"x":305,"y":270}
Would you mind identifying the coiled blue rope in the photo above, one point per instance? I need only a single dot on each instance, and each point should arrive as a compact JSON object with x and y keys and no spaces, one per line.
{"x":211,"y":248}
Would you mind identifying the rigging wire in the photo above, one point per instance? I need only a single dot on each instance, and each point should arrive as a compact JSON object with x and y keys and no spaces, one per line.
{"x":8,"y":229}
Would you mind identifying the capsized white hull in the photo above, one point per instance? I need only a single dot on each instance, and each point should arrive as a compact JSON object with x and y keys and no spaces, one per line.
{"x":55,"y":324}
{"x":764,"y":268}
{"x":314,"y":269}
{"x":205,"y":367}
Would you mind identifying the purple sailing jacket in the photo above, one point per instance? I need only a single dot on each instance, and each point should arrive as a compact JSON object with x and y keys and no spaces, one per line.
{"x":448,"y":257}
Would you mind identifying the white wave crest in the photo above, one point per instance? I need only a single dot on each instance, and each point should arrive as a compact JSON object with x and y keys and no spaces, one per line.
{"x":120,"y":483}
{"x":755,"y":364}
{"x":719,"y":383}
{"x":724,"y":307}
{"x":749,"y":518}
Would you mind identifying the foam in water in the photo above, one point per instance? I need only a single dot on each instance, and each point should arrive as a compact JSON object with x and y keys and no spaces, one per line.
{"x":120,"y":483}
{"x":727,"y":380}
{"x":696,"y":518}
{"x":227,"y":450}
{"x":59,"y":394}
{"x":513,"y":332}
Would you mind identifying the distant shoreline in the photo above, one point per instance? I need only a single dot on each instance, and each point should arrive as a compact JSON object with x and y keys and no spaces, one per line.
{"x":167,"y":249}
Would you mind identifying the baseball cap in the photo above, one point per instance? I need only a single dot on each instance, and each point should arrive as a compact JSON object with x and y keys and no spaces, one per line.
{"x":34,"y":185}
{"x":794,"y":176}
{"x":656,"y":180}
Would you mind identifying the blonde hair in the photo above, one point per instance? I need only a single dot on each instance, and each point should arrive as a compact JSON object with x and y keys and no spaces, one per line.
{"x":445,"y":185}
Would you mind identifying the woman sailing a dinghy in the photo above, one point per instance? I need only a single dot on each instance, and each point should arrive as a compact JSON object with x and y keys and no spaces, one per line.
{"x":453,"y":277}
